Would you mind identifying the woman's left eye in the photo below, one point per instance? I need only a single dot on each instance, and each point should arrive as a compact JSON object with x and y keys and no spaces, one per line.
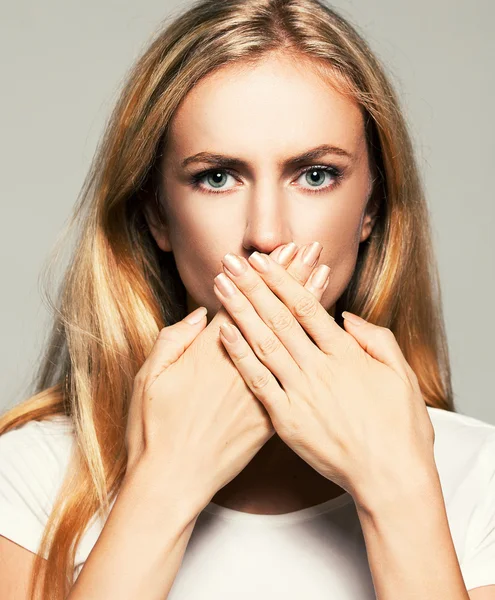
{"x":314,"y":176}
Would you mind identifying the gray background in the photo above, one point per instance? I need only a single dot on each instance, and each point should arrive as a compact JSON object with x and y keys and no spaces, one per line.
{"x":63,"y":64}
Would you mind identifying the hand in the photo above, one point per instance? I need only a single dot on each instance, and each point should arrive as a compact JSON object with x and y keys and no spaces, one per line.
{"x":191,"y":416}
{"x":346,"y":401}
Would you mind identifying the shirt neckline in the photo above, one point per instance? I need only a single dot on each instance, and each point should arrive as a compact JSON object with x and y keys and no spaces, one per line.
{"x":290,"y":517}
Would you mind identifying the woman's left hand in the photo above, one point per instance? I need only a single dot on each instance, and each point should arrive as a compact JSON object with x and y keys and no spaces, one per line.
{"x":345,"y":400}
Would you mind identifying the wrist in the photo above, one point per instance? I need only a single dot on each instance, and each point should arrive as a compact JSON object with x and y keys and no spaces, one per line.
{"x":396,"y":491}
{"x":164,"y":489}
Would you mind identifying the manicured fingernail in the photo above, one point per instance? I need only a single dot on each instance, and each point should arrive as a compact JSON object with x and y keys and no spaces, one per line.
{"x":355,"y":319}
{"x":259,"y":262}
{"x":224,"y":284}
{"x":196,"y":316}
{"x":234,"y":263}
{"x":287,"y":253}
{"x":312,"y":253}
{"x":229,"y":332}
{"x":320,"y":276}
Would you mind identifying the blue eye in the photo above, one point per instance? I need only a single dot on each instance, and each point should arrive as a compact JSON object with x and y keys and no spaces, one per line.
{"x":314,"y":175}
{"x":215,"y":178}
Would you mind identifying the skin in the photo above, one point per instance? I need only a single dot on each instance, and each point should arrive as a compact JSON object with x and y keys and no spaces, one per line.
{"x":265,"y":114}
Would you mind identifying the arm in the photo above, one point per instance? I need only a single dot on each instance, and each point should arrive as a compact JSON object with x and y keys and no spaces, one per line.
{"x":408,"y":541}
{"x":141,"y":546}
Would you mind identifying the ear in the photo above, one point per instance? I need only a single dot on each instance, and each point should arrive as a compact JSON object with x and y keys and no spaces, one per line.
{"x":367,"y":226}
{"x":370,"y":215}
{"x":159,"y":230}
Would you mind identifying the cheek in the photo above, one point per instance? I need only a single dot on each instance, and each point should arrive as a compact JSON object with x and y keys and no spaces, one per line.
{"x":340,"y":276}
{"x":197,"y":270}
{"x":199,"y":241}
{"x":340,"y":253}
{"x":200,"y":225}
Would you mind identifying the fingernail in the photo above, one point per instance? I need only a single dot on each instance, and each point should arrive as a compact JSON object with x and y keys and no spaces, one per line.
{"x":224,"y":284}
{"x":229,"y":332}
{"x":287,"y":253}
{"x":355,"y":319}
{"x":320,"y":276}
{"x":259,"y":262}
{"x":311,"y":253}
{"x":196,"y":315}
{"x":234,"y":263}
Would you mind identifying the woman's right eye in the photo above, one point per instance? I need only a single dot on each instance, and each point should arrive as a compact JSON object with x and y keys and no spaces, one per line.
{"x":215,"y":178}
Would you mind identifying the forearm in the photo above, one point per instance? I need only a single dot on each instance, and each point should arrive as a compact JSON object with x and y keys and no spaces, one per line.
{"x":141,"y":546}
{"x":409,"y":545}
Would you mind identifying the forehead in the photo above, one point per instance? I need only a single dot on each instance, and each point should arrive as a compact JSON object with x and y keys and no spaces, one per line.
{"x":274,"y":107}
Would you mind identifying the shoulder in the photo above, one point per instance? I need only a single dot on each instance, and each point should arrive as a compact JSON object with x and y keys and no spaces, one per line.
{"x":33,"y":463}
{"x":465,"y":459}
{"x":460,"y":440}
{"x":37,"y":447}
{"x":464,"y":454}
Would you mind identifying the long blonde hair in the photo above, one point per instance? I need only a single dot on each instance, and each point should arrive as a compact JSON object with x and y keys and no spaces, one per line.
{"x":119,"y":289}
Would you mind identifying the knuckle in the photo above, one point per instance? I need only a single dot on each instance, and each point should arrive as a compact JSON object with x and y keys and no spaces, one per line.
{"x":252,"y":286}
{"x":259,"y":382}
{"x":386,"y":333}
{"x":306,"y":306}
{"x":164,"y":333}
{"x":241,"y":307}
{"x":281,"y":321}
{"x":269,"y":345}
{"x":240,"y":354}
{"x":295,"y":274}
{"x":170,"y":336}
{"x":277,"y":280}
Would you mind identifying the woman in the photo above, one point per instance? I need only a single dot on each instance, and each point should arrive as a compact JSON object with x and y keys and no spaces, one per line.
{"x":295,"y":451}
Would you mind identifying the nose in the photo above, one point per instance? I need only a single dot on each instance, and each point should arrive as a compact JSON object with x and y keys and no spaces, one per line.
{"x":268,"y":221}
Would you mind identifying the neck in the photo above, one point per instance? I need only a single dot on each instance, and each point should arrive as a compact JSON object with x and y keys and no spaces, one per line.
{"x":276,"y":481}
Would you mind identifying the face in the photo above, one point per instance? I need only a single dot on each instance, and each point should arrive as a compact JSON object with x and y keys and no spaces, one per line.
{"x":255,"y":195}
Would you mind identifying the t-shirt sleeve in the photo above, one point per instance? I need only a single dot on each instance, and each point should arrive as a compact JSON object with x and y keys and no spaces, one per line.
{"x":478,"y":567}
{"x":33,"y":459}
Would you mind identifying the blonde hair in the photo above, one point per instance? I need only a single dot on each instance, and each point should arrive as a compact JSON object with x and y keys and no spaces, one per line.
{"x":119,"y":290}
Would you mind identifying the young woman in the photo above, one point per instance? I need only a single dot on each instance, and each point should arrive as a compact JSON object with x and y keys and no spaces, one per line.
{"x":258,"y":166}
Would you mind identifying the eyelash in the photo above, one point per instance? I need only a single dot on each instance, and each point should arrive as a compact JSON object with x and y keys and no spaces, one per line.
{"x":335,"y":172}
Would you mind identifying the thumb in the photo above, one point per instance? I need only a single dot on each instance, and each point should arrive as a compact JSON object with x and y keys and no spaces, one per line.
{"x":378,"y":342}
{"x":172,"y":341}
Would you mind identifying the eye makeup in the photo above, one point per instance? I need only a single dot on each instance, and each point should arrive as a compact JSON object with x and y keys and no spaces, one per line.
{"x":336,"y":173}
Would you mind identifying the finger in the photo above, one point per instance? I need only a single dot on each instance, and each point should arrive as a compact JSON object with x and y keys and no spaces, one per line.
{"x":314,"y":319}
{"x":299,"y":265}
{"x":380,"y":343}
{"x":258,"y":378}
{"x":302,"y":265}
{"x":302,"y":304}
{"x":284,"y":254}
{"x":262,"y":339}
{"x":284,"y":260}
{"x":268,"y":309}
{"x":172,"y":342}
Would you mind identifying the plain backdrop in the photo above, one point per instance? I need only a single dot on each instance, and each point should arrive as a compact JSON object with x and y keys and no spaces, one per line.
{"x":63,"y":64}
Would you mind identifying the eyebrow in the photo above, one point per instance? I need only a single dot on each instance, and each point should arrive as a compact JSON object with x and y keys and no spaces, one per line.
{"x":222,"y":160}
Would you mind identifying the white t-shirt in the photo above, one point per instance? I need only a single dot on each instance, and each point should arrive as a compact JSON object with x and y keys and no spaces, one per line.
{"x":317,"y":552}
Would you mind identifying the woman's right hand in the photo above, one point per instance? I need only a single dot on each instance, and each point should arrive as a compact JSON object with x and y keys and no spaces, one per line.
{"x":192,"y":419}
